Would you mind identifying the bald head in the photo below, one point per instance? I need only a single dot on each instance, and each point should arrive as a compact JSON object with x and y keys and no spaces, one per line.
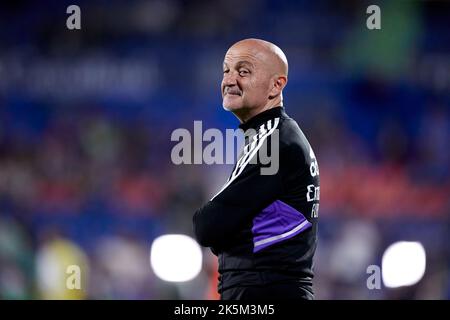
{"x":271,"y":54}
{"x":254,"y":76}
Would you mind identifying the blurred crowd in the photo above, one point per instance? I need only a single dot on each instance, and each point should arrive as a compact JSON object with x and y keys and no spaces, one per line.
{"x":86,"y":118}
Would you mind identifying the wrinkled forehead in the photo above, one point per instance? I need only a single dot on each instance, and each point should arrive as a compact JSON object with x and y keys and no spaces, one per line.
{"x":239,"y":54}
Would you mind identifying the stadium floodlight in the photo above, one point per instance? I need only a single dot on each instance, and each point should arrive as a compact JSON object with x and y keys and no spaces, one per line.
{"x":403,"y":264}
{"x":175,"y":257}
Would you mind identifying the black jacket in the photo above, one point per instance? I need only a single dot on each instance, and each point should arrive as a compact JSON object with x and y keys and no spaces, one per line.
{"x":263,"y":227}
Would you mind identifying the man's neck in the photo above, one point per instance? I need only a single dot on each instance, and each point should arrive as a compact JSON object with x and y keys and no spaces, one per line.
{"x":247,"y":114}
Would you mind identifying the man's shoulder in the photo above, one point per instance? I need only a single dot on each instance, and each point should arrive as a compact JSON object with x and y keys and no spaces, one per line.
{"x":291,"y":135}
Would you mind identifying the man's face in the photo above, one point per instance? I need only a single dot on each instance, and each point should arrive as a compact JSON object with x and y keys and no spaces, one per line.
{"x":246,"y":79}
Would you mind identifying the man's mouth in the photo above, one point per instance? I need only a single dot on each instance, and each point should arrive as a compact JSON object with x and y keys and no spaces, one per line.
{"x":233,"y":91}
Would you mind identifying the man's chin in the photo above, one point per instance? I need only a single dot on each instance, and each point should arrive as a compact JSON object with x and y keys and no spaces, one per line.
{"x":231,"y":106}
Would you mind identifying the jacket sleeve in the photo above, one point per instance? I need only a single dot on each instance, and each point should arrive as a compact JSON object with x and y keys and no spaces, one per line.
{"x":217,"y":223}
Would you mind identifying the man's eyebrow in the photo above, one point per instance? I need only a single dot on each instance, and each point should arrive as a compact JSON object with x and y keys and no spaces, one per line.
{"x":240,"y":64}
{"x":243,"y":63}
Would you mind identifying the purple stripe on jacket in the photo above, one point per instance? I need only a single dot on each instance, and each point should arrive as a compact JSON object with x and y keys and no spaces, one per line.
{"x":276,"y":223}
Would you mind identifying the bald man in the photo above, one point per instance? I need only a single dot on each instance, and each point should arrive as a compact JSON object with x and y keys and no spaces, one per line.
{"x":263,"y":227}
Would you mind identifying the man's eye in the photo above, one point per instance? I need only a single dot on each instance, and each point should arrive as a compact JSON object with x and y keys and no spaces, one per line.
{"x":226,"y":71}
{"x":243,"y":72}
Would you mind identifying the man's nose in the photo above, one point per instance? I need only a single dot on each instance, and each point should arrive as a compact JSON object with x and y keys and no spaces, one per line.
{"x":229,"y":79}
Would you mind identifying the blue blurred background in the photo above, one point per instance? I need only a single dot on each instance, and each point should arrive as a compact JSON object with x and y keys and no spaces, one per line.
{"x":86,"y":118}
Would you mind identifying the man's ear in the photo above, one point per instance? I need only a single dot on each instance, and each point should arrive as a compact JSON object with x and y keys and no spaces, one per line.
{"x":278,"y":86}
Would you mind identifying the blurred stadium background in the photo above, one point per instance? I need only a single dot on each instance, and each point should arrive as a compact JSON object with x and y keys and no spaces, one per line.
{"x":86,"y":118}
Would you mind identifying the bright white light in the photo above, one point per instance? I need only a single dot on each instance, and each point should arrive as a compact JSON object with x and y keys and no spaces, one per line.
{"x":403,"y":264}
{"x":176,"y":257}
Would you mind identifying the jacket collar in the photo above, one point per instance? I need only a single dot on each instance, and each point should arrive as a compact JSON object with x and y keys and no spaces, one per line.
{"x":262,"y":117}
